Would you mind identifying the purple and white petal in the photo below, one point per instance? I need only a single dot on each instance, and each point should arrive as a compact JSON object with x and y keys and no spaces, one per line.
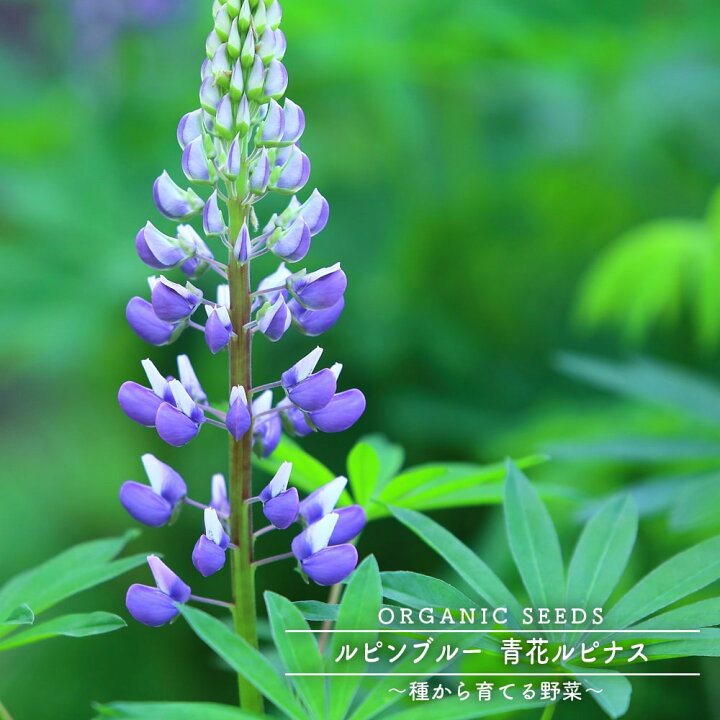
{"x":207,"y":557}
{"x":278,"y":484}
{"x":276,"y":80}
{"x":167,"y":581}
{"x":315,"y":322}
{"x":315,"y":392}
{"x":321,"y":289}
{"x":302,"y":369}
{"x":194,"y":162}
{"x":174,"y":427}
{"x":189,"y":127}
{"x":163,"y":248}
{"x":292,"y":244}
{"x":218,"y":495}
{"x":331,"y":565}
{"x":174,"y":202}
{"x":146,"y":324}
{"x":164,"y":480}
{"x":238,"y":418}
{"x":282,"y":510}
{"x":294,"y":122}
{"x":315,"y":211}
{"x":189,"y":379}
{"x":150,"y":606}
{"x":217,"y":332}
{"x":139,"y":403}
{"x":144,"y":504}
{"x":322,"y":501}
{"x":315,"y":537}
{"x":351,"y":521}
{"x":213,"y":220}
{"x":340,"y":413}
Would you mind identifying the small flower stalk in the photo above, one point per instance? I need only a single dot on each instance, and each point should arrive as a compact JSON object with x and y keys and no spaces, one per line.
{"x":240,"y":145}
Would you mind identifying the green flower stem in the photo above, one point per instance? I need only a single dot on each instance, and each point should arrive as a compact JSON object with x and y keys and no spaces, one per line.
{"x":240,"y":466}
{"x":548,"y":712}
{"x":4,"y":714}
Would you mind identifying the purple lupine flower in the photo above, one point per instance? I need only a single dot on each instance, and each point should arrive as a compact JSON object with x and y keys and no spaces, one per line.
{"x":194,"y":162}
{"x":172,"y":302}
{"x":174,"y":202}
{"x":156,"y":606}
{"x":292,"y":244}
{"x":243,"y":245}
{"x":280,"y":504}
{"x":292,"y":170}
{"x":219,"y":496}
{"x":340,"y":413}
{"x":157,"y":503}
{"x":147,"y":325}
{"x":315,"y":211}
{"x":350,"y":523}
{"x":315,"y":322}
{"x":275,"y":319}
{"x":276,"y":80}
{"x":266,"y":429}
{"x":310,"y":391}
{"x":273,"y":126}
{"x":218,"y":328}
{"x":157,"y":250}
{"x":322,"y":501}
{"x":321,"y":289}
{"x":178,"y":421}
{"x":189,"y":127}
{"x":260,"y":174}
{"x":323,"y":564}
{"x":208,"y":555}
{"x":140,"y":403}
{"x":238,"y":418}
{"x":213,"y":220}
{"x":294,"y":121}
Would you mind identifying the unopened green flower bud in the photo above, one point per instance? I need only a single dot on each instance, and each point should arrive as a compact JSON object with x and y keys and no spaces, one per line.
{"x":234,"y":43}
{"x":237,"y":82}
{"x":217,"y":4}
{"x":253,"y":4}
{"x":212,"y":43}
{"x":255,"y":80}
{"x":244,"y":16}
{"x":224,"y":120}
{"x":222,"y":23}
{"x":260,"y":18}
{"x":233,"y":7}
{"x":247,"y":54}
{"x":242,"y":121}
{"x":209,"y":145}
{"x":221,"y":66}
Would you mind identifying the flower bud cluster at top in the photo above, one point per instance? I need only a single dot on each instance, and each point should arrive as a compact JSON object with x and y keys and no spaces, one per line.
{"x":242,"y":143}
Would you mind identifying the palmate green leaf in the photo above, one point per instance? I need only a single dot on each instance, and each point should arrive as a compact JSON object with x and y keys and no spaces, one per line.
{"x":414,"y":590}
{"x":701,"y":614}
{"x":676,"y":578}
{"x":705,"y":644}
{"x":656,"y":383}
{"x":77,"y":569}
{"x":602,"y":553}
{"x":21,"y":615}
{"x":432,"y":487}
{"x":77,"y":625}
{"x":243,"y":659}
{"x":173,"y":711}
{"x":299,"y":651}
{"x":315,"y":611}
{"x":390,"y":455}
{"x":363,"y":466}
{"x":615,"y":689}
{"x":358,"y":611}
{"x":695,"y":506}
{"x":533,"y":541}
{"x":462,"y":559}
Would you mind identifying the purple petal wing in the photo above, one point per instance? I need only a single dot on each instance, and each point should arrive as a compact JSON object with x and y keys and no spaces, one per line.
{"x":207,"y":557}
{"x":139,"y":403}
{"x":282,"y":510}
{"x":174,"y":427}
{"x":340,"y":413}
{"x":144,"y":504}
{"x":150,"y":606}
{"x":331,"y":565}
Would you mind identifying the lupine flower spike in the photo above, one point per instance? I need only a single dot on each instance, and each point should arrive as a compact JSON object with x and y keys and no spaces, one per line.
{"x":241,"y":144}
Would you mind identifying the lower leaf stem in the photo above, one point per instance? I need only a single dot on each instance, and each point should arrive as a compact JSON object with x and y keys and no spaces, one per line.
{"x":548,"y":712}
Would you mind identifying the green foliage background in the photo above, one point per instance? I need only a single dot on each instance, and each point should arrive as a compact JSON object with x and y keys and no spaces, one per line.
{"x":477,"y":156}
